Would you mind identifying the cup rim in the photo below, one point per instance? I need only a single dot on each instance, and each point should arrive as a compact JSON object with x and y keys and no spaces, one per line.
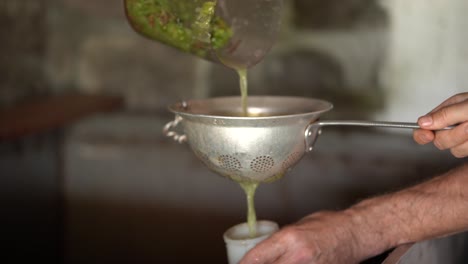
{"x":264,"y":227}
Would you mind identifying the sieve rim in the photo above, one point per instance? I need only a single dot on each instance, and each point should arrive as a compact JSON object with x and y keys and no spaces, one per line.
{"x":323,"y":106}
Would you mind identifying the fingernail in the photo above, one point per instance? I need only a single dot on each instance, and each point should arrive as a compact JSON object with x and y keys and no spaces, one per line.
{"x":424,"y":138}
{"x":425,"y":121}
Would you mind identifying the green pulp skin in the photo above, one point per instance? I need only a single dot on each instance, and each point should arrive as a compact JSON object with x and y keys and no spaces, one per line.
{"x":189,"y":25}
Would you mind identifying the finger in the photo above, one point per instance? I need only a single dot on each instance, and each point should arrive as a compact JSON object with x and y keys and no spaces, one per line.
{"x":268,"y":251}
{"x":448,"y":139}
{"x":458,"y":98}
{"x":446,"y":116}
{"x":283,"y":259}
{"x":260,"y":255}
{"x":422,"y":136}
{"x":460,"y":151}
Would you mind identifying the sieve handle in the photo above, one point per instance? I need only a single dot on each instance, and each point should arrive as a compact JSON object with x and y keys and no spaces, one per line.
{"x":315,"y":129}
{"x":167,"y":130}
{"x":371,"y":124}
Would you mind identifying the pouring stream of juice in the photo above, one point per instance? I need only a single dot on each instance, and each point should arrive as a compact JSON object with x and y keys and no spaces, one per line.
{"x":243,"y":90}
{"x":218,"y":30}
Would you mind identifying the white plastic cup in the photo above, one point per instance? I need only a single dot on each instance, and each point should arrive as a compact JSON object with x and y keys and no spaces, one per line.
{"x":238,"y":241}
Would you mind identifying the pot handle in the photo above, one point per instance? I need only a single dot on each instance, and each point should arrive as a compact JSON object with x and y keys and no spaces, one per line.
{"x":315,"y":129}
{"x":167,"y":131}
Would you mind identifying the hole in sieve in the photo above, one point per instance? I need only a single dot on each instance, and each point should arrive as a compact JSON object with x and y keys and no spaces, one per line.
{"x":229,"y":163}
{"x":262,"y":164}
{"x":292,"y":159}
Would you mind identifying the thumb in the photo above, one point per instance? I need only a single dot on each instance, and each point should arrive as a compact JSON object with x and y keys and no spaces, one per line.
{"x":444,"y":117}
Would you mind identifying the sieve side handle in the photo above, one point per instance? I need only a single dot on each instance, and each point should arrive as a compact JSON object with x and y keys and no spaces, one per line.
{"x":167,"y":130}
{"x":315,"y":129}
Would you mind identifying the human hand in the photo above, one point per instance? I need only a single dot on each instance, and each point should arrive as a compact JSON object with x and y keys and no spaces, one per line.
{"x":453,"y":111}
{"x":320,"y":238}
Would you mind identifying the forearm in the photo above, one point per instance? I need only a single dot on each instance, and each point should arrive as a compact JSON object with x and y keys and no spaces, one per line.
{"x":432,"y":209}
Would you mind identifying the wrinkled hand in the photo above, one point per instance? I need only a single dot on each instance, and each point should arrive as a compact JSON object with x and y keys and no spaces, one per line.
{"x":320,"y":238}
{"x":453,"y":111}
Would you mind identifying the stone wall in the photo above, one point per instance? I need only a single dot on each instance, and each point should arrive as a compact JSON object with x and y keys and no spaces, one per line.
{"x":89,"y":47}
{"x":23,"y":34}
{"x":122,"y":168}
{"x":426,"y":59}
{"x":367,"y":57}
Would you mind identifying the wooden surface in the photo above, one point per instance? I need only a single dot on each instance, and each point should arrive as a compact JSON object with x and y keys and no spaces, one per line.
{"x":48,"y":113}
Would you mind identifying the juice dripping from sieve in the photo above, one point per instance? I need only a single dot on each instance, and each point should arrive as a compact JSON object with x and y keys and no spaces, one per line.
{"x":249,"y":189}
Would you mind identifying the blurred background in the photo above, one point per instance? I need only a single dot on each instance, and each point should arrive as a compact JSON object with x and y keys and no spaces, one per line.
{"x":87,"y":176}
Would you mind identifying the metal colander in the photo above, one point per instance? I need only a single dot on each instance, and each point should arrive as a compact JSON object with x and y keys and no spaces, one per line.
{"x":261,"y":147}
{"x":258,"y":148}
